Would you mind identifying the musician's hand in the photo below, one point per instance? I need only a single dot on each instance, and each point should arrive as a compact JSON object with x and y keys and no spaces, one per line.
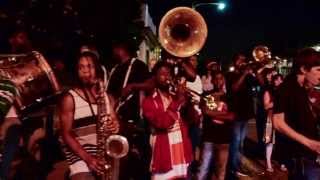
{"x":205,"y":109}
{"x":112,"y":126}
{"x":127,"y":90}
{"x":181,"y":94}
{"x":247,"y":71}
{"x":314,"y":145}
{"x":95,"y":164}
{"x":218,"y":121}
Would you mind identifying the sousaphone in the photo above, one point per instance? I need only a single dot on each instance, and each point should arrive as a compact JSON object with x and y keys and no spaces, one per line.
{"x":182,"y":32}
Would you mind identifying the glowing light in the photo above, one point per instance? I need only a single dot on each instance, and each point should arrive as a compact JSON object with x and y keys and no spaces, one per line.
{"x":221,"y":6}
{"x":317,"y":48}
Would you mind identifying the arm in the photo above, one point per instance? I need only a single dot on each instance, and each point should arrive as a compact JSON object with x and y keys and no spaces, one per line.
{"x":159,"y":118}
{"x":236,"y":86}
{"x":260,"y":78}
{"x":280,"y":125}
{"x":189,"y":71}
{"x":147,"y":86}
{"x":221,"y":115}
{"x":267,"y":103}
{"x":66,"y":111}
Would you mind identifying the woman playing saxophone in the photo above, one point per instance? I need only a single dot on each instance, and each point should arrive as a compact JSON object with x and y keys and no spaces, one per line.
{"x":78,"y":112}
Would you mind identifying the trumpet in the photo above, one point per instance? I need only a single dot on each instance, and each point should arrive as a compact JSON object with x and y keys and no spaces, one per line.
{"x":196,"y":98}
{"x":262,"y":56}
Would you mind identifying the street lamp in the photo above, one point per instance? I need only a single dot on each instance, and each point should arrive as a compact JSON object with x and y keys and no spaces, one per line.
{"x":221,"y":5}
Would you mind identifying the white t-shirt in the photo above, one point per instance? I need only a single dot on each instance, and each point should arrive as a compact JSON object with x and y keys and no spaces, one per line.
{"x":196,"y":85}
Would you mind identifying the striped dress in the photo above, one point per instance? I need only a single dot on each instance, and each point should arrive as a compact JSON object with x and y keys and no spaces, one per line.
{"x":84,"y":128}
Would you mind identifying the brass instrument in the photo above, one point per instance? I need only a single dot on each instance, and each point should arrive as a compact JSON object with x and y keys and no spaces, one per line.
{"x":182,"y":32}
{"x":210,"y":101}
{"x":33,"y":77}
{"x":110,"y":147}
{"x":261,"y":53}
{"x":263,"y":57}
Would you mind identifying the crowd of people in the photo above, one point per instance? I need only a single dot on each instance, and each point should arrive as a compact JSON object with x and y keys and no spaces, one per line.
{"x":180,"y":123}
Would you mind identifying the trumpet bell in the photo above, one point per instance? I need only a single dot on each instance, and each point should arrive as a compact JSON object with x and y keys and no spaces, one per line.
{"x":182,"y":32}
{"x":261,"y":53}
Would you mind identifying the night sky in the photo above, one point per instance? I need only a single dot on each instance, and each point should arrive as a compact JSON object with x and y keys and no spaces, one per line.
{"x":282,"y":25}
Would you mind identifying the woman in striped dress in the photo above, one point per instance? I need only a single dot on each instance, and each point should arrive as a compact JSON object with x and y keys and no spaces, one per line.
{"x":77,"y":112}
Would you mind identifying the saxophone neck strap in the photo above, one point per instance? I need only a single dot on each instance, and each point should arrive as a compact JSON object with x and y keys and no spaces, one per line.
{"x":86,"y":94}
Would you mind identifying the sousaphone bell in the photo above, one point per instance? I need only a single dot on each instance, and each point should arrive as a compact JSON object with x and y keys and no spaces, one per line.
{"x":182,"y":32}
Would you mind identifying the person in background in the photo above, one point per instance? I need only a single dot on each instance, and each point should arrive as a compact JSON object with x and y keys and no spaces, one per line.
{"x":268,"y":99}
{"x":294,"y":116}
{"x":217,"y":130}
{"x":10,"y":129}
{"x":210,"y":67}
{"x":239,"y":88}
{"x":195,"y":85}
{"x":20,"y":42}
{"x":124,"y":76}
{"x":195,"y":126}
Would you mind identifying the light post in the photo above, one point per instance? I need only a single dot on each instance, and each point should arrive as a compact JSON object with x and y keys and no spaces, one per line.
{"x":221,"y":5}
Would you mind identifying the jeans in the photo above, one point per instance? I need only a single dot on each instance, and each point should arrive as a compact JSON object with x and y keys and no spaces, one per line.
{"x":238,"y":135}
{"x":217,"y":152}
{"x":194,"y":133}
{"x":207,"y":153}
{"x":303,"y":169}
{"x":261,"y":119}
{"x":11,"y":145}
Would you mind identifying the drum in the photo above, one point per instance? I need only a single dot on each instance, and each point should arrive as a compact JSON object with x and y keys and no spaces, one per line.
{"x":32,"y":76}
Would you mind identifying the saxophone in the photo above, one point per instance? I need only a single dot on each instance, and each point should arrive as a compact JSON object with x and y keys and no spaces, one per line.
{"x":110,"y":146}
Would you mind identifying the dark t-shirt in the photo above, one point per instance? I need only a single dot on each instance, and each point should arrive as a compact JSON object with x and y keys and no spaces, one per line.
{"x":214,"y":132}
{"x":241,"y":101}
{"x":139,"y":73}
{"x":292,"y":100}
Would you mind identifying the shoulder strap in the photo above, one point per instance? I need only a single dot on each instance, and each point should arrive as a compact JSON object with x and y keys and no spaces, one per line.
{"x":128,"y":73}
{"x":88,"y":100}
{"x":110,"y":75}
